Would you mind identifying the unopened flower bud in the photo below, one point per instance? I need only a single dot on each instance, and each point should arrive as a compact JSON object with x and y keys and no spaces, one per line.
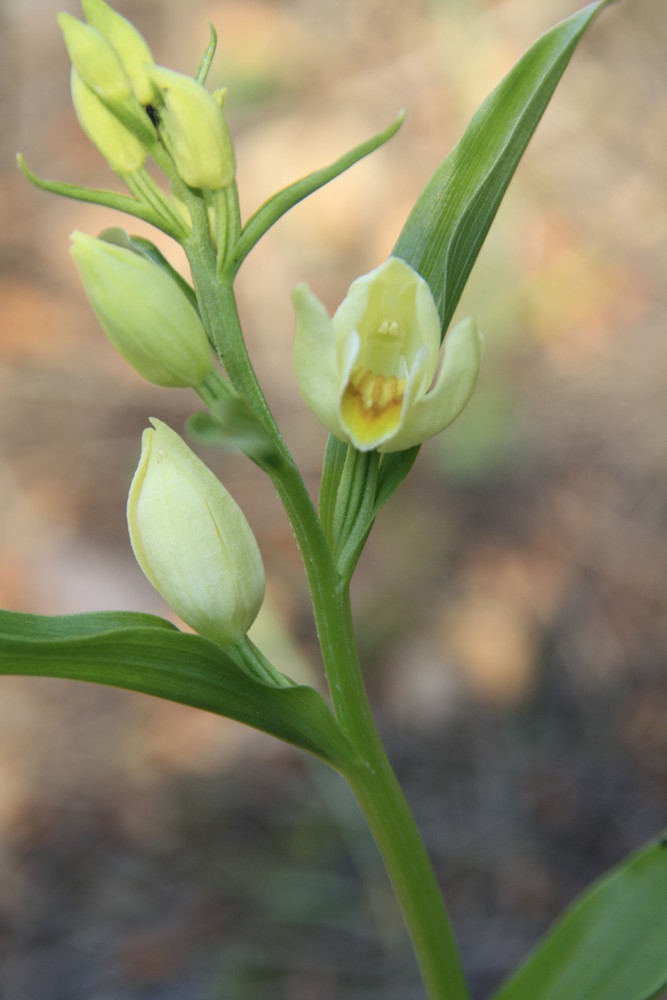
{"x":195,"y":131}
{"x":95,"y":60}
{"x":192,"y":540}
{"x":122,"y":150}
{"x":129,"y":45}
{"x":144,"y":313}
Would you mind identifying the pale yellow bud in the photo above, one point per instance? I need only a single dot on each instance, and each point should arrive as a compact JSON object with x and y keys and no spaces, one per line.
{"x":194,"y":130}
{"x":144,"y":313}
{"x":192,"y":540}
{"x":95,"y":60}
{"x":120,"y":148}
{"x":129,"y":45}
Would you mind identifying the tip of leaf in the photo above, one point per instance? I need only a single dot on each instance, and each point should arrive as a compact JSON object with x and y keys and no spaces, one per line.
{"x":396,"y":124}
{"x":25,"y":169}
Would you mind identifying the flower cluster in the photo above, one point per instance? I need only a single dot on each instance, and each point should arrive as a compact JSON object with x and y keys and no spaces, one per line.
{"x":127,"y":105}
{"x":370,"y":373}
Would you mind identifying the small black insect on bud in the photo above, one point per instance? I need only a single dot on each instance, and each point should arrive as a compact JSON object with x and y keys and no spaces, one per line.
{"x":153,"y":114}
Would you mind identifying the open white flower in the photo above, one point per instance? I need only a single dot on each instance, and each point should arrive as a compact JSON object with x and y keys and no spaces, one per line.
{"x":367,"y":372}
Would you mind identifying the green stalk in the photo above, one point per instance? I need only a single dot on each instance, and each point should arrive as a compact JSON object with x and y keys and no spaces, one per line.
{"x":373,"y":781}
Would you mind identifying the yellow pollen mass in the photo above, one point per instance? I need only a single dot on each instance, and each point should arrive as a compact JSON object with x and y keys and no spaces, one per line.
{"x":386,"y":327}
{"x":371,"y":405}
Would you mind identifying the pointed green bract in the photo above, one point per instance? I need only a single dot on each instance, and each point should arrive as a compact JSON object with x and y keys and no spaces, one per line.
{"x":207,"y":58}
{"x":145,"y":315}
{"x":109,"y":199}
{"x":278,"y":204}
{"x":147,"y":654}
{"x":612,"y":942}
{"x":232,"y":424}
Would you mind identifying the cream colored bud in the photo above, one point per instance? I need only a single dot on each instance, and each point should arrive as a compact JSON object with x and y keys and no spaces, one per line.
{"x":129,"y":45}
{"x":192,"y":540}
{"x":95,"y":60}
{"x":120,"y":148}
{"x":195,"y":131}
{"x":144,"y":313}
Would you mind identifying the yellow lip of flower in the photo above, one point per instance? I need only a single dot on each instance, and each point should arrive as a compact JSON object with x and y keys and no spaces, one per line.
{"x":366,"y":373}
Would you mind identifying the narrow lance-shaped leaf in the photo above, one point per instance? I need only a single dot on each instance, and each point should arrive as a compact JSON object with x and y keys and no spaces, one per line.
{"x":450,"y":220}
{"x":147,"y":654}
{"x":611,"y":944}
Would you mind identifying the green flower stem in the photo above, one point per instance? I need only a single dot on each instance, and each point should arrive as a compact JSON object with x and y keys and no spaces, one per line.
{"x":386,"y":810}
{"x":372,"y":780}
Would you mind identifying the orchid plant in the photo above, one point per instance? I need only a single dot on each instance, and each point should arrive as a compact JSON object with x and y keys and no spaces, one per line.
{"x":383,"y":374}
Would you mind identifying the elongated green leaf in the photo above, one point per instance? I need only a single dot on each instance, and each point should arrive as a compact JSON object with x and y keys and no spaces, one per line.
{"x":450,"y":220}
{"x":147,"y":654}
{"x":611,"y":944}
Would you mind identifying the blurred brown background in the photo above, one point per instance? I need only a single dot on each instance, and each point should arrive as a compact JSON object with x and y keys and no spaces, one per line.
{"x":511,"y":603}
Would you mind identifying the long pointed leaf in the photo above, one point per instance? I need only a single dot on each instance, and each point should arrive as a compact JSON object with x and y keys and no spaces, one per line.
{"x":611,"y":944}
{"x":449,"y":222}
{"x":147,"y":654}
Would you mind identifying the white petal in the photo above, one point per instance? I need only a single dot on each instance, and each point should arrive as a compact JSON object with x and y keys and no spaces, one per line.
{"x":315,"y":361}
{"x":428,"y":414}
